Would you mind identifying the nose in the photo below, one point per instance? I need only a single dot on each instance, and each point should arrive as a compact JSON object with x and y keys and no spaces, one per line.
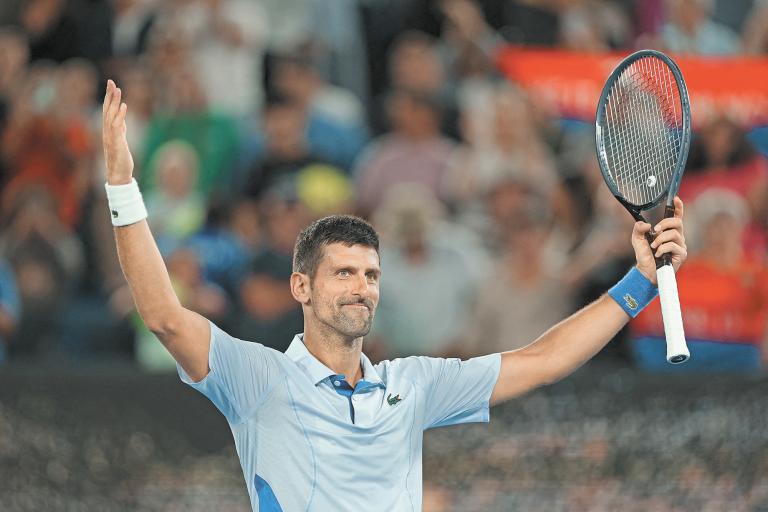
{"x":360,"y":286}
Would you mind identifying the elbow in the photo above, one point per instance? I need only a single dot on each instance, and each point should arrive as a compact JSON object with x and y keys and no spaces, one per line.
{"x":163,"y":325}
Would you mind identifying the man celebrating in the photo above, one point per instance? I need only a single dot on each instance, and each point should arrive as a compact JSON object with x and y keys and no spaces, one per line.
{"x":320,"y":427}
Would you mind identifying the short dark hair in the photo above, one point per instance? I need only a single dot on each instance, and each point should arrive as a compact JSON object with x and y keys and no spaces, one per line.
{"x":343,"y":229}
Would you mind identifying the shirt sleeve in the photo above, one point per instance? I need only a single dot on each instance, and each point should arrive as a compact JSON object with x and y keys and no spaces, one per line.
{"x":242,"y":373}
{"x":456,"y":391}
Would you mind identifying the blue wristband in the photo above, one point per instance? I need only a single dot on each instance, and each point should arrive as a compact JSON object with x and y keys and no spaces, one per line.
{"x":633,"y":292}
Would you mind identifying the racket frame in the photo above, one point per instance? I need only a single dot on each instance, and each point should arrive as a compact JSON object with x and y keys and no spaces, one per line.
{"x":677,"y":351}
{"x":602,"y":158}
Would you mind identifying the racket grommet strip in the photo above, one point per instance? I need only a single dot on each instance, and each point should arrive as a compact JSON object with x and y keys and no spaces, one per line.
{"x":126,"y":205}
{"x":633,"y":292}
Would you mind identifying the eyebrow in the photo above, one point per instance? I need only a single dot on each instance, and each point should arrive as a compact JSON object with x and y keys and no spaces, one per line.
{"x":368,"y":270}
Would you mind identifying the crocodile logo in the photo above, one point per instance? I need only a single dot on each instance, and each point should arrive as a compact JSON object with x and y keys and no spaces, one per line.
{"x":630,"y":301}
{"x":393,"y":400}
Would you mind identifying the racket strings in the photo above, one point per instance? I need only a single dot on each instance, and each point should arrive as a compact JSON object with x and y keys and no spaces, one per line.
{"x":643,"y":130}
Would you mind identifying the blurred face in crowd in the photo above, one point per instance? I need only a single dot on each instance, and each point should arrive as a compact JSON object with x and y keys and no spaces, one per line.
{"x":177,"y":170}
{"x":512,"y":117}
{"x":720,"y":141}
{"x":185,"y":92}
{"x":412,"y":117}
{"x":506,"y":200}
{"x":284,"y":126}
{"x":76,"y":86}
{"x":283,"y":221}
{"x":37,"y":16}
{"x":137,"y":87}
{"x":722,"y":233}
{"x":344,"y":292}
{"x":14,"y":55}
{"x":295,"y":80}
{"x":688,"y":14}
{"x":415,"y":65}
{"x":184,"y":266}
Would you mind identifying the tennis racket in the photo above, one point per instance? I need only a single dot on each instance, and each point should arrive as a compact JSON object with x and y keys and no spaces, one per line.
{"x":642,"y":134}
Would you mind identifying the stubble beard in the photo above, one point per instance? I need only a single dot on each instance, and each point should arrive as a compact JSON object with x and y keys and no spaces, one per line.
{"x":352,"y":326}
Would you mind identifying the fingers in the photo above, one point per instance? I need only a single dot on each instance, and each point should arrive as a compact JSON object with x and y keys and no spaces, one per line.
{"x":107,"y":97}
{"x":672,"y":248}
{"x":640,"y":229}
{"x":670,"y":235}
{"x":672,"y":223}
{"x":120,"y":118}
{"x":111,"y":103}
{"x":678,"y":207}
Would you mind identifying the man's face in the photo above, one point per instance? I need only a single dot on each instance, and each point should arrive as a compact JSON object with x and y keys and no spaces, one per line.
{"x":345,"y":288}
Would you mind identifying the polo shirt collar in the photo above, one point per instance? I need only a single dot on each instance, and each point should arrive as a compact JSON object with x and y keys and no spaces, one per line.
{"x":318,"y":372}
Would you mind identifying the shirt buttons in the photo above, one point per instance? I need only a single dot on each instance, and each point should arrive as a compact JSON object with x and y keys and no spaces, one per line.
{"x":336,"y":383}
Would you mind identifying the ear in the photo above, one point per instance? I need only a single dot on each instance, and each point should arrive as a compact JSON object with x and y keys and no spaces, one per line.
{"x":300,"y":288}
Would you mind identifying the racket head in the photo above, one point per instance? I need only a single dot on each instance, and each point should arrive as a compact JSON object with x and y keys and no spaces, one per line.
{"x":643,"y":130}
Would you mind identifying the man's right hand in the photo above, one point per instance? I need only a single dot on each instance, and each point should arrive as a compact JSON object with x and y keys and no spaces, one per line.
{"x":117,"y":155}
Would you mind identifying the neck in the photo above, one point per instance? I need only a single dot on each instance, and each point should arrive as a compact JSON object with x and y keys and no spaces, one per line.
{"x":335,"y":351}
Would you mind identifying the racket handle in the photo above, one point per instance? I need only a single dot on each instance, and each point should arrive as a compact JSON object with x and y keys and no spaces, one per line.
{"x":677,"y":350}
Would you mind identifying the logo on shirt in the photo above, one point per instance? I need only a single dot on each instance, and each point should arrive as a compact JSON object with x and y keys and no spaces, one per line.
{"x":630,"y":301}
{"x":393,"y":400}
{"x":114,"y":214}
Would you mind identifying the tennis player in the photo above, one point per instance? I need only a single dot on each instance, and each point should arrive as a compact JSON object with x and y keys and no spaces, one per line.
{"x":320,"y":427}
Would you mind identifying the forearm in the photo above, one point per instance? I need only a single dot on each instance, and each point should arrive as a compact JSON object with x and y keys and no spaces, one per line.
{"x":560,"y":350}
{"x":147,"y":276}
{"x":578,"y":338}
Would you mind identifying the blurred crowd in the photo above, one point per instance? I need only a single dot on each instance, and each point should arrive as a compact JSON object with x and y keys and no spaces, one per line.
{"x":599,"y":441}
{"x":249,"y":118}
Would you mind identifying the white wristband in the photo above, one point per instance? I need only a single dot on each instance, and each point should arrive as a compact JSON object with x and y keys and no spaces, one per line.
{"x":125,"y":203}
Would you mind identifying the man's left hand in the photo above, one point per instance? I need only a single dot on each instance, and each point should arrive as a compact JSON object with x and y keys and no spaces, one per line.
{"x":670,"y":240}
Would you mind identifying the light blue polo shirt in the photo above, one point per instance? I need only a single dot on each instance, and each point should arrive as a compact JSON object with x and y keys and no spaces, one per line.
{"x":309,"y":442}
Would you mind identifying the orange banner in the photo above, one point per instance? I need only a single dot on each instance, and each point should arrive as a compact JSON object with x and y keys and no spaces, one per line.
{"x":571,"y":82}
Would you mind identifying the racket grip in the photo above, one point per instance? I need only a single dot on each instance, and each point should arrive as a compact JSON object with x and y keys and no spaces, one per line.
{"x":677,"y":350}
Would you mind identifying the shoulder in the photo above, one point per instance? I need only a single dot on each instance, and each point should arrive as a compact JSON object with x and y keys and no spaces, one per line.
{"x":222,"y":341}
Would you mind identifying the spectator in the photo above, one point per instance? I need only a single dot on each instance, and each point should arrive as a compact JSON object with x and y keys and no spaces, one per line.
{"x":419,"y":256}
{"x":524,"y":295}
{"x":281,"y":151}
{"x":132,"y":24}
{"x":722,"y":157}
{"x":48,"y":140}
{"x":690,"y":29}
{"x":51,"y":30}
{"x":296,"y":77}
{"x":723,"y":295}
{"x":335,"y":123}
{"x":175,"y":206}
{"x":226,"y":41}
{"x":343,"y":56}
{"x":139,"y":89}
{"x":267,"y":311}
{"x":186,"y":116}
{"x":47,"y":261}
{"x":756,"y":29}
{"x":414,"y":64}
{"x":10,"y":307}
{"x":508,"y":140}
{"x":413,"y":152}
{"x":14,"y":53}
{"x":225,"y":243}
{"x":594,"y":26}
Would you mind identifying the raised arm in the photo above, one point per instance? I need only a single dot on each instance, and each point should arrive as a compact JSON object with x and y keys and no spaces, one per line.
{"x":575,"y":340}
{"x":184,"y":333}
